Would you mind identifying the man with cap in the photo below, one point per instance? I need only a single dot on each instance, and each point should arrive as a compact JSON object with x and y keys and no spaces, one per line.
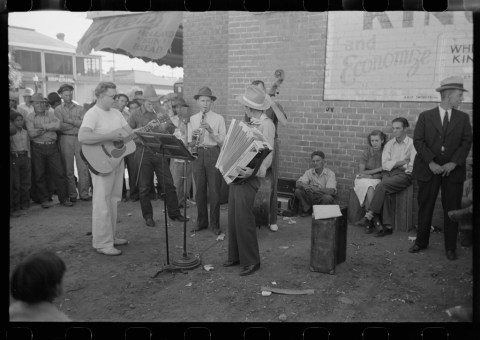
{"x":209,"y":129}
{"x":242,"y":234}
{"x":42,"y":127}
{"x":442,"y":138}
{"x":26,"y":108}
{"x":150,"y":162}
{"x":179,"y":117}
{"x":71,"y":117}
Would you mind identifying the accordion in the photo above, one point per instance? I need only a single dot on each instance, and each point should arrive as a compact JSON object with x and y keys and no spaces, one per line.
{"x":244,"y":146}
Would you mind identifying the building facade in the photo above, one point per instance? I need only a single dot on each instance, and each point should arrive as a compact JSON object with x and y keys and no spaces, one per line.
{"x":228,"y":50}
{"x":46,"y":63}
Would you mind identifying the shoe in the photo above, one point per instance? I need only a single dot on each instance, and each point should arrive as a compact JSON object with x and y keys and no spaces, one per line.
{"x":73,"y":199}
{"x":369,"y":229}
{"x":86,"y":199}
{"x":66,"y":203}
{"x":120,"y":242}
{"x":384,"y":232}
{"x":415,"y":248}
{"x":197,"y":228}
{"x":150,"y":222}
{"x":363,"y":222}
{"x":303,"y":214}
{"x":247,"y":270}
{"x":273,"y":227}
{"x":46,"y":205}
{"x":377,"y":223}
{"x":109,"y":251}
{"x":451,"y":255}
{"x":179,"y":218}
{"x":231,"y":263}
{"x":217,"y":231}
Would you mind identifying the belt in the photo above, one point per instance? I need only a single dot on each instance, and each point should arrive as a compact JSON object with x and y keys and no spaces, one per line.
{"x":207,"y":146}
{"x":45,"y":143}
{"x":70,"y":134}
{"x":18,"y":153}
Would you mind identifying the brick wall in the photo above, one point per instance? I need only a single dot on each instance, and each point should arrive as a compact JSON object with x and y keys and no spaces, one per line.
{"x":255,"y":45}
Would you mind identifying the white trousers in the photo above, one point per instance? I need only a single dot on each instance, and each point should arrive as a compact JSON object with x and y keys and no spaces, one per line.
{"x":361,"y":187}
{"x":107,"y":192}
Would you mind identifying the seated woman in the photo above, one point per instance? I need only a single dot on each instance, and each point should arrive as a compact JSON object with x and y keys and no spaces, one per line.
{"x":35,"y":283}
{"x":369,"y":174}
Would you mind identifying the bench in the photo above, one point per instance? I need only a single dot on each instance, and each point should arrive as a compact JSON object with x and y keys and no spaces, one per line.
{"x":402,"y":201}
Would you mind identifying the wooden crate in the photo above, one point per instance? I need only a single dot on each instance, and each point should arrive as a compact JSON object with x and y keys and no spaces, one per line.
{"x":355,"y":211}
{"x":403,"y":218}
{"x":328,"y":243}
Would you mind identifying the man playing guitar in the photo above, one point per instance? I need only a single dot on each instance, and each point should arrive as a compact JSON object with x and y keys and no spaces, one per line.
{"x":101,"y":124}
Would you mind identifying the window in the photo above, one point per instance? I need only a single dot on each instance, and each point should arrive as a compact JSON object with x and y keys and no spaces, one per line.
{"x":88,"y":66}
{"x":58,"y":64}
{"x":29,"y":60}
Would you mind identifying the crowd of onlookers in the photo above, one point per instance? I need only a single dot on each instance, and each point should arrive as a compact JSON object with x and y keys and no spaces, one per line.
{"x":45,"y":154}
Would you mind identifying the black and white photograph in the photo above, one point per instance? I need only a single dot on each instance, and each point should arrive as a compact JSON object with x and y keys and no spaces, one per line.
{"x":235,"y":166}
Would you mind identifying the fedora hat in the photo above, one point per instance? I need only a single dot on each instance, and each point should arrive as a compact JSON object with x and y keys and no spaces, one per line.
{"x":28,"y":92}
{"x":451,"y":83}
{"x":37,"y":97}
{"x":205,"y":91}
{"x":254,"y":97}
{"x":149,"y":94}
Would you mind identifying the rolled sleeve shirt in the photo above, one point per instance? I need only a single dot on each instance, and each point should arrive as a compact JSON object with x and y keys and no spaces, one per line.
{"x":267,"y":128}
{"x":47,"y":121}
{"x":325,"y":180}
{"x":394,"y":152}
{"x":216,"y":122}
{"x":70,"y":112}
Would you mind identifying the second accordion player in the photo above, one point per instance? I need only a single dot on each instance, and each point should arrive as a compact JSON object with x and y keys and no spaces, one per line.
{"x":244,"y":146}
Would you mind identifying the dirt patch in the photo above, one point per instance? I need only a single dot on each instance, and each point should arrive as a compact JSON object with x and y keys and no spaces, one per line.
{"x":379,"y":281}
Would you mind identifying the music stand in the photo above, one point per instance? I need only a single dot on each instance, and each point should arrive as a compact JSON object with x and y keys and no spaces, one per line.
{"x":171,"y":147}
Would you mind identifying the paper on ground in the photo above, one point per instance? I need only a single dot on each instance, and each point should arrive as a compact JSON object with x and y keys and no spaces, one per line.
{"x":326,"y":211}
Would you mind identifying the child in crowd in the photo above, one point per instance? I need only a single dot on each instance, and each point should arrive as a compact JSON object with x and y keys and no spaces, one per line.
{"x":20,"y":165}
{"x":34,"y":284}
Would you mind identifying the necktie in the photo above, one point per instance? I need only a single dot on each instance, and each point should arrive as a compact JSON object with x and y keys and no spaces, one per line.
{"x":445,"y":121}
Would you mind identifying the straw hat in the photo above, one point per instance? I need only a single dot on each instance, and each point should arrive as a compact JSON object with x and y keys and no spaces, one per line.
{"x":28,"y":92}
{"x":451,"y":83}
{"x":254,"y":97}
{"x":37,"y":97}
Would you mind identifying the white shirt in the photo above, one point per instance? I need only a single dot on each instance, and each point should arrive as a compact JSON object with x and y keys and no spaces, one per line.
{"x":103,"y":122}
{"x":394,"y":152}
{"x":216,"y":122}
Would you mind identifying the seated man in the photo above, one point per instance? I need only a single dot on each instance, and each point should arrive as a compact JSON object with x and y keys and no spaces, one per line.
{"x":397,"y":163}
{"x":318,"y":185}
{"x":464,"y":215}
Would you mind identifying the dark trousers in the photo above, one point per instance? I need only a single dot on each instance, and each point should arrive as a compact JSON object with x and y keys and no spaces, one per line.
{"x":21,"y":180}
{"x":242,"y":231}
{"x":392,"y":182}
{"x":46,"y":159}
{"x":307,"y":199}
{"x":155,"y":163}
{"x":205,"y":174}
{"x":451,"y":200}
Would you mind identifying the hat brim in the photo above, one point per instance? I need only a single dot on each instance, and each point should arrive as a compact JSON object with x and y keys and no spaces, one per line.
{"x":443,"y":88}
{"x":261,"y":107}
{"x":205,"y":95}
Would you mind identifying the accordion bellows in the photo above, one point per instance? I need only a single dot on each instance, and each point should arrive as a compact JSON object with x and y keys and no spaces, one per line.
{"x":244,"y":146}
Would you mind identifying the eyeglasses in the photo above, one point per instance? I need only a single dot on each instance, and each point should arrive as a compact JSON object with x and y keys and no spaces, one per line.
{"x":106,"y":95}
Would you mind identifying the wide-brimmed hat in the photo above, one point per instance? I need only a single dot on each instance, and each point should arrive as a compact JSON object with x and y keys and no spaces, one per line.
{"x":149,"y":94}
{"x":28,"y":92}
{"x":37,"y":97}
{"x":205,"y":91}
{"x":451,"y":83}
{"x":254,"y":97}
{"x":65,"y":87}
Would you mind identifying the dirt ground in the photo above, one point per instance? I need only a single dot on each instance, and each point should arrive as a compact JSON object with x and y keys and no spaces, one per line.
{"x":379,"y":281}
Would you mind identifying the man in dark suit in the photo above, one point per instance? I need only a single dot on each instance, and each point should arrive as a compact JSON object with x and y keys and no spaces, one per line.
{"x":442,"y":138}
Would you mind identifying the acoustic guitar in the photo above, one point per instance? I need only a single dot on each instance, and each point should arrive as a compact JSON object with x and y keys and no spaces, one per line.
{"x":104,"y":157}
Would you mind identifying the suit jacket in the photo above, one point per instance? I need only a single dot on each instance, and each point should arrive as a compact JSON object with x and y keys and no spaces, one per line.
{"x":428,"y":139}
